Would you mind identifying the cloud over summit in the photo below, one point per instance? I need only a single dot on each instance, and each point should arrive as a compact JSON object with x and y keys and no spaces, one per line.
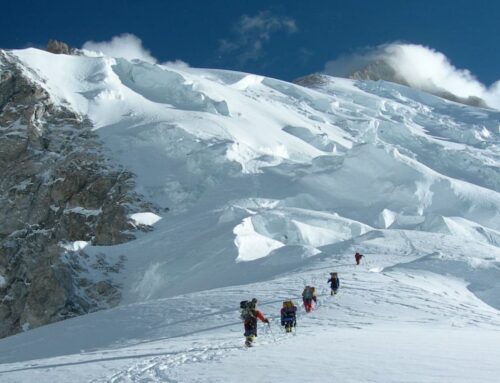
{"x":418,"y":66}
{"x":126,"y":45}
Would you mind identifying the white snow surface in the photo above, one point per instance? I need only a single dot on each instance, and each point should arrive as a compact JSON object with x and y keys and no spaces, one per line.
{"x":75,"y":245}
{"x":262,"y":187}
{"x":145,"y":218}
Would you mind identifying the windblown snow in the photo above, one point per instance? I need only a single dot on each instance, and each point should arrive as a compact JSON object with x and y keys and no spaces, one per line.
{"x":262,"y":187}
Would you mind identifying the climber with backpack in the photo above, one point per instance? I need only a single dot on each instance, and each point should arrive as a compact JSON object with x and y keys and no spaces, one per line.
{"x":334,"y":282}
{"x":308,"y":296}
{"x":249,"y":315}
{"x":288,"y":315}
{"x":358,"y":257}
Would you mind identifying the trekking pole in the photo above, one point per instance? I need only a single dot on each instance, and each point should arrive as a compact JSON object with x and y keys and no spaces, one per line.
{"x":271,"y":330}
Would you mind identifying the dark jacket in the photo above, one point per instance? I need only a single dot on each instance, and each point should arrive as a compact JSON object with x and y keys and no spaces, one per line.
{"x":250,"y":324}
{"x":288,"y":313}
{"x":334,"y":283}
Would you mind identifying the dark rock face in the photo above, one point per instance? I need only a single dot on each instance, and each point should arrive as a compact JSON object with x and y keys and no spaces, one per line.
{"x":59,"y":47}
{"x":311,"y":81}
{"x":56,"y":186}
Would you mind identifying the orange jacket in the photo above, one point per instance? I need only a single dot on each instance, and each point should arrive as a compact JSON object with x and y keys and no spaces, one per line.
{"x":260,"y":316}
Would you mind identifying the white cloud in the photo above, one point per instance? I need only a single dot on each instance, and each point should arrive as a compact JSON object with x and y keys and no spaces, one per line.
{"x":177,"y":64}
{"x":421,"y":67}
{"x":264,"y":24}
{"x":126,"y":45}
{"x":251,"y":33}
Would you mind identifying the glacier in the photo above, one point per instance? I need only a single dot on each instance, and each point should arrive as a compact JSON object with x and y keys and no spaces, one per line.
{"x":261,"y":187}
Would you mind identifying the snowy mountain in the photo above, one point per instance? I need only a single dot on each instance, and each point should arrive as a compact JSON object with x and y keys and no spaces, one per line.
{"x":403,"y":64}
{"x":382,"y":70}
{"x":251,"y":186}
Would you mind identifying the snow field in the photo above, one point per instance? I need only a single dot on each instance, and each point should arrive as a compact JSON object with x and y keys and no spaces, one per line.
{"x":382,"y":326}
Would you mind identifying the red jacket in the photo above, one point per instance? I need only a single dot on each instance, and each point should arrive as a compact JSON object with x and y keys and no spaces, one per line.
{"x":253,"y":319}
{"x":260,"y":316}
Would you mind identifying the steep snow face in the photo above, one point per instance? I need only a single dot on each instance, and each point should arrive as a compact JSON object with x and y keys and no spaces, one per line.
{"x":257,"y":172}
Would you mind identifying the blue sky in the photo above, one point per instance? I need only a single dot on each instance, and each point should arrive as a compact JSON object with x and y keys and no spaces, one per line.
{"x":282,"y":39}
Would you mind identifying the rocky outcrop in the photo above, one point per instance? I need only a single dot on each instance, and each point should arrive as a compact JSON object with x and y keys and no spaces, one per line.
{"x":56,"y":186}
{"x":311,"y":81}
{"x":59,"y":47}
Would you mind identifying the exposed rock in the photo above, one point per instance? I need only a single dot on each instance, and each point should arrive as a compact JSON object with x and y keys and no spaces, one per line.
{"x":56,"y":186}
{"x":311,"y":81}
{"x":377,"y":70}
{"x":59,"y":47}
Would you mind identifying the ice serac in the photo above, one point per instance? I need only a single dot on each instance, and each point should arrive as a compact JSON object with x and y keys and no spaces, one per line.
{"x":57,"y":187}
{"x":259,"y":176}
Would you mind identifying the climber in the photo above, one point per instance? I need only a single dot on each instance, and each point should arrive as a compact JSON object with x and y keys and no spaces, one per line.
{"x":358,"y":257}
{"x":249,"y":315}
{"x":288,"y":315}
{"x":308,"y":296}
{"x":334,"y":282}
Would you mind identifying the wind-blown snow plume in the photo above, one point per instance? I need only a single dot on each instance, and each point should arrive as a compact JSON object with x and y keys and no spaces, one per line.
{"x":178,"y":63}
{"x":126,"y":45}
{"x":418,"y":66}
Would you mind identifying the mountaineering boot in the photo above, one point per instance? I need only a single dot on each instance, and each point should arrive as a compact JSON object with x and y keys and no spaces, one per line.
{"x":248,"y":341}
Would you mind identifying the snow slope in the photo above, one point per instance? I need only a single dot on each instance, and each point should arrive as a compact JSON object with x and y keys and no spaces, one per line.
{"x":262,"y":186}
{"x":389,"y":323}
